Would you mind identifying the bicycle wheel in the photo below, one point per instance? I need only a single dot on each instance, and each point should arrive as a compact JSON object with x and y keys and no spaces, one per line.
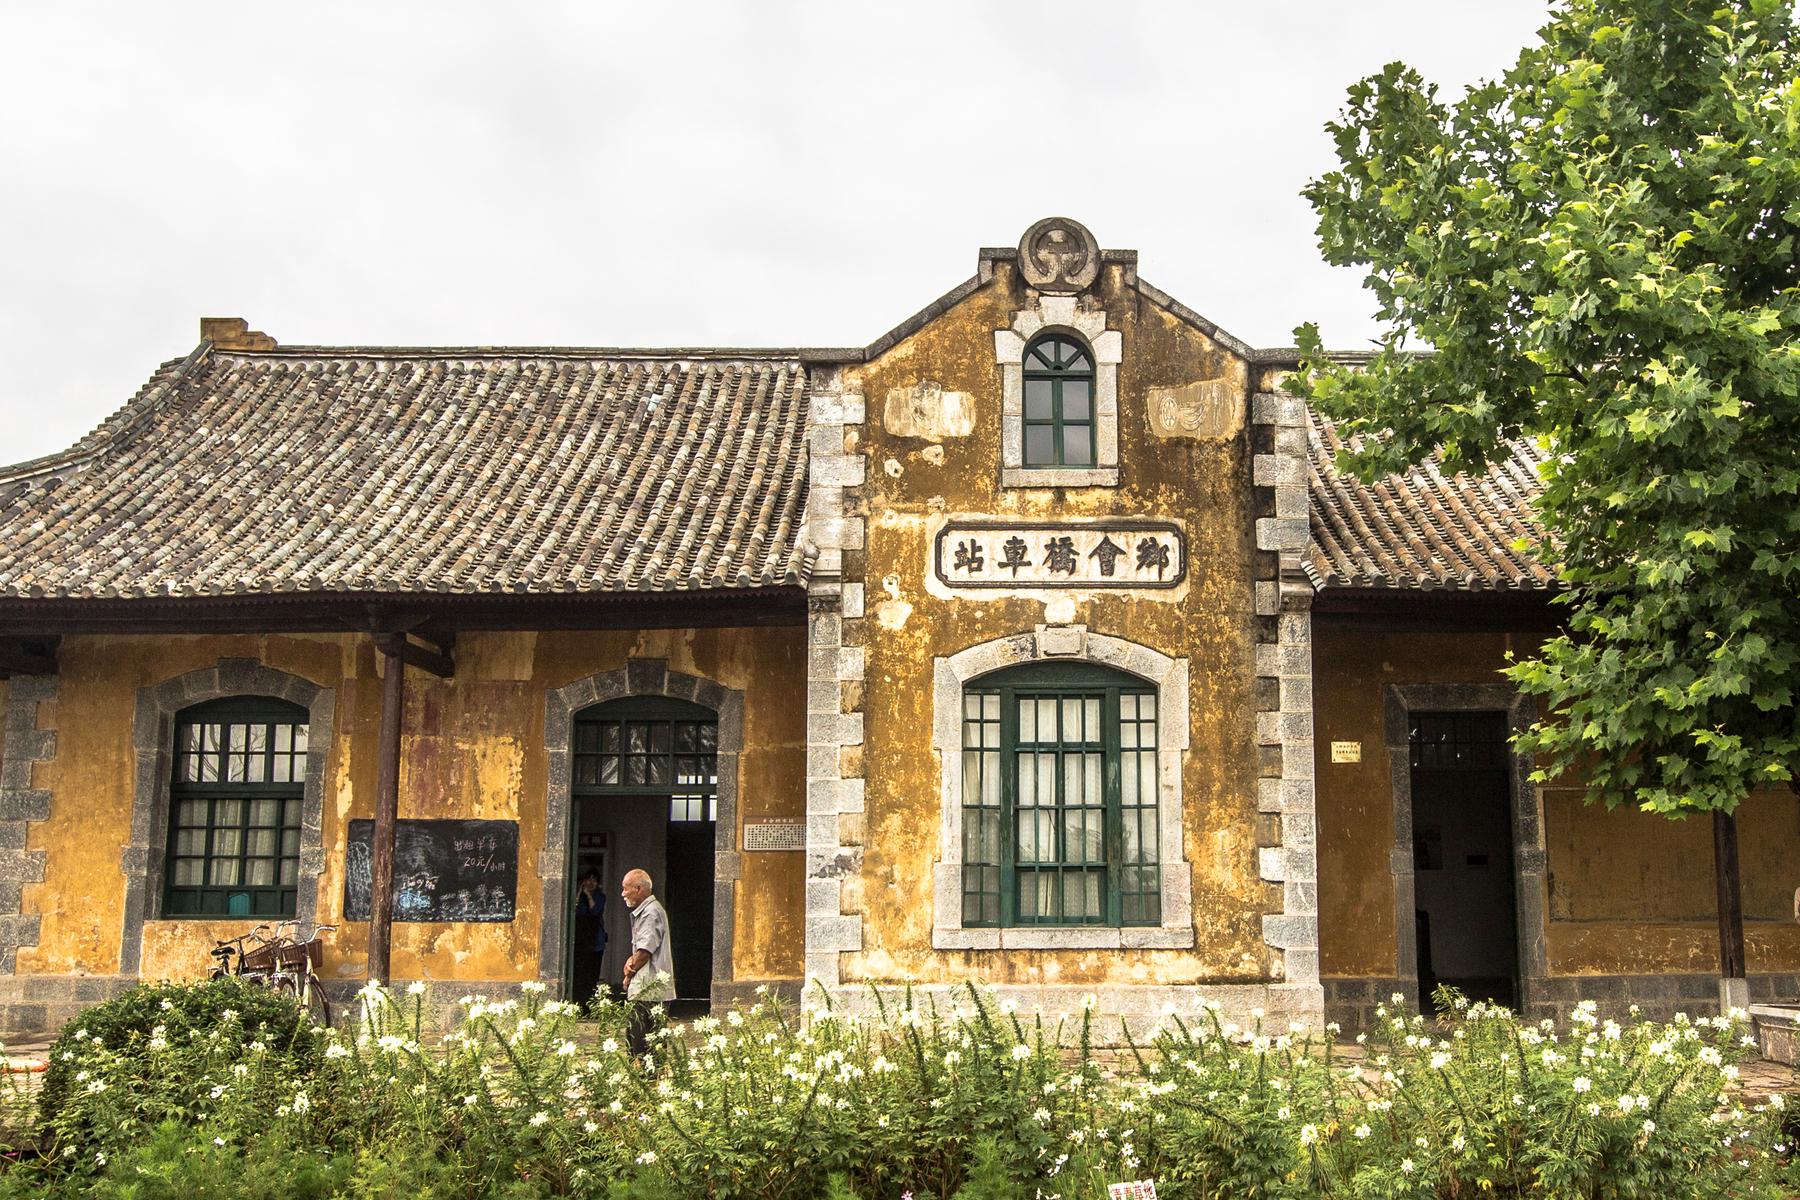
{"x":312,"y":998}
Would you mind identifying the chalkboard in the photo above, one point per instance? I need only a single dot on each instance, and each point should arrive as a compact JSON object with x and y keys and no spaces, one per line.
{"x":443,"y":870}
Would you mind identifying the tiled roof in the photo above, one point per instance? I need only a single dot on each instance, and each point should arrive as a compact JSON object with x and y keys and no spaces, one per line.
{"x":1424,"y":529}
{"x":462,"y":472}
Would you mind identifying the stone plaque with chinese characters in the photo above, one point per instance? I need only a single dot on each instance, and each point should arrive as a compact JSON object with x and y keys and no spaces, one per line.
{"x":774,"y":835}
{"x":1098,"y":554}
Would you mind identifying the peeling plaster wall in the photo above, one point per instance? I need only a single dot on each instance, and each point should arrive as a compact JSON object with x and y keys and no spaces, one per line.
{"x":473,"y":747}
{"x":910,"y":485}
{"x":1626,"y":892}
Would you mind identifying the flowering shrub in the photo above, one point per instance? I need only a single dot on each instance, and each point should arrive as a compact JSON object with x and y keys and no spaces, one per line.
{"x":967,"y":1098}
{"x":169,"y":1052}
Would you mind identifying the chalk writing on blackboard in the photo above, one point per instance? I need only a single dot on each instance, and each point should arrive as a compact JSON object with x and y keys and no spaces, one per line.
{"x":443,"y":870}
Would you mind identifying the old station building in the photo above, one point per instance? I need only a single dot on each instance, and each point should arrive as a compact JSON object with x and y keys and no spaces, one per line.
{"x":1037,"y":642}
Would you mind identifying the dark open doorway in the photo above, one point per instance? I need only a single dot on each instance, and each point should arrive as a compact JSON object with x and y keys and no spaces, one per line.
{"x":1463,"y":855}
{"x":644,"y":781}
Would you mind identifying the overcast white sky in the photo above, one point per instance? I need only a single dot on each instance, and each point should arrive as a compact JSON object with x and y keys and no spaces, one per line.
{"x":653,"y":173}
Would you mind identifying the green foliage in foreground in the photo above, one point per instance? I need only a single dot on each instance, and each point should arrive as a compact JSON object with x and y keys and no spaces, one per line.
{"x":146,"y":1017}
{"x":961,"y":1099}
{"x":1602,"y":250}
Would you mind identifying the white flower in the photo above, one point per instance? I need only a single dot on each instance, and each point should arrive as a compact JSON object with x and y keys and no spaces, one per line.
{"x":470,"y":1100}
{"x":1440,"y":1060}
{"x":533,"y":987}
{"x":1021,"y":1052}
{"x":416,"y":988}
{"x":1581,"y":1083}
{"x":337,"y":1050}
{"x":1406,"y":1166}
{"x":1649,"y":1127}
{"x":647,"y":1157}
{"x":1627,"y":1102}
{"x":565,"y":1049}
{"x":1361,"y":1131}
{"x":589,"y":1127}
{"x":97,"y":1086}
{"x":1309,"y":1134}
{"x":540,"y":1117}
{"x":302,"y":1102}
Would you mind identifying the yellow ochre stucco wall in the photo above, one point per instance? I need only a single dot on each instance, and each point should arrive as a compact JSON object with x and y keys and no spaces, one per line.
{"x":912,"y":484}
{"x":473,"y":747}
{"x":1628,"y":892}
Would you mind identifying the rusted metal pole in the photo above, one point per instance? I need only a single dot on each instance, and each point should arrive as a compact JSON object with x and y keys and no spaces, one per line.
{"x":1731,"y":895}
{"x":387,"y":808}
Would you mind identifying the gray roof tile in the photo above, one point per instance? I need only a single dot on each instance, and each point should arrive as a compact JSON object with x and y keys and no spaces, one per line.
{"x":419,"y":471}
{"x":1425,"y":529}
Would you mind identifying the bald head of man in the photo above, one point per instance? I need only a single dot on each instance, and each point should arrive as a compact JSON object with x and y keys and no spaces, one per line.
{"x":635,"y":887}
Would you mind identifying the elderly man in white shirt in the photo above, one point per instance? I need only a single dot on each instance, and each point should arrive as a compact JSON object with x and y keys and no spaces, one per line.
{"x":650,"y":971}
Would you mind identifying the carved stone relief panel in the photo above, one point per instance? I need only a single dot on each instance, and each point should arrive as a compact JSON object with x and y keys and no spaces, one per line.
{"x":1206,"y":410}
{"x":927,"y":411}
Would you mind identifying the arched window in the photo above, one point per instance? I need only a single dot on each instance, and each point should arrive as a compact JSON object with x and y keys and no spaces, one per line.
{"x":236,"y":795}
{"x":1059,"y":792}
{"x":648,"y":744}
{"x":1059,"y":403}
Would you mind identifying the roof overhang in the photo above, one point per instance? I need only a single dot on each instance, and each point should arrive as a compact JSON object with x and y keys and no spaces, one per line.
{"x":1427,"y":609}
{"x":363,"y":612}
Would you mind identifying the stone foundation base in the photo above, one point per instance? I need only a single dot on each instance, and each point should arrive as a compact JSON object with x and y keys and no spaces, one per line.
{"x":1351,"y":1001}
{"x":36,"y":1007}
{"x":1138,"y":1006}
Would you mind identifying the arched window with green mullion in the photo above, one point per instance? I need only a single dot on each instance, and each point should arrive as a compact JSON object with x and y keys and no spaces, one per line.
{"x":644,"y":745}
{"x":236,"y":795}
{"x":1059,"y":403}
{"x":1060,"y":798}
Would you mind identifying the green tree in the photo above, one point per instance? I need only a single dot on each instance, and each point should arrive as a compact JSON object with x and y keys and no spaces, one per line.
{"x":1598,"y":251}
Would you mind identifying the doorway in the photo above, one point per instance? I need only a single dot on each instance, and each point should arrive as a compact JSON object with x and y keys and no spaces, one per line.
{"x":1463,"y":883}
{"x":644,"y":785}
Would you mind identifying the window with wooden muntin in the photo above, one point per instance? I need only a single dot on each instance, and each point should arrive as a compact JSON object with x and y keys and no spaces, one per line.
{"x":1059,"y":403}
{"x":1059,"y":796}
{"x":649,"y":745}
{"x":235,"y":799}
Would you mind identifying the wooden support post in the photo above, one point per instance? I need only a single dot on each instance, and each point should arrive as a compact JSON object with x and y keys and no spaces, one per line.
{"x":387,"y":807}
{"x":1731,"y":910}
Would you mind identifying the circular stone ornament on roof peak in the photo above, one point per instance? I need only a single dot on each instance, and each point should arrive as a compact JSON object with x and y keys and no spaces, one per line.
{"x":1059,"y":255}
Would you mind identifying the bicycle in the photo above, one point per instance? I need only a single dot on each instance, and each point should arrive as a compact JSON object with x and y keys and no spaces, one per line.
{"x":279,"y":962}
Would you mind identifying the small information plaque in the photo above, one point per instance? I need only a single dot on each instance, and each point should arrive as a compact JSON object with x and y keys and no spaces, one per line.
{"x":774,"y":835}
{"x":1137,"y":1189}
{"x":1346,"y":752}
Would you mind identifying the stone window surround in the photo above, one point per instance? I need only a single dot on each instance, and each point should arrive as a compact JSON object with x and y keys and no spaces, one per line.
{"x":1065,"y":643}
{"x":1058,"y":314}
{"x":1399,"y":701}
{"x":639,"y":677}
{"x":152,"y":736}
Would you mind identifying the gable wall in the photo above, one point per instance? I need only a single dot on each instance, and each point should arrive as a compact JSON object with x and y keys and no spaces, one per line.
{"x":912,"y":485}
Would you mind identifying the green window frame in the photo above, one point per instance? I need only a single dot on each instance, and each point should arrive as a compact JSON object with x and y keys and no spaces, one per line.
{"x":649,"y":745}
{"x":1058,"y":403}
{"x":1060,"y":798}
{"x":236,"y":792}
